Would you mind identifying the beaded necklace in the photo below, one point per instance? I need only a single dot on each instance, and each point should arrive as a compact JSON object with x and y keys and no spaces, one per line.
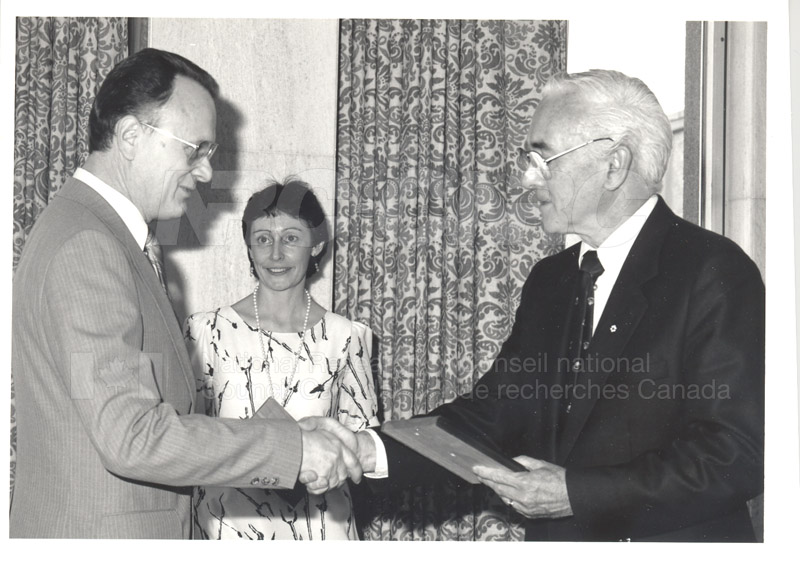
{"x":264,"y":350}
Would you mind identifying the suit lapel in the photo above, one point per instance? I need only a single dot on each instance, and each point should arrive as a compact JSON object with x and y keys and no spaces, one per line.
{"x":79,"y":192}
{"x":625,"y":308}
{"x":561,"y":310}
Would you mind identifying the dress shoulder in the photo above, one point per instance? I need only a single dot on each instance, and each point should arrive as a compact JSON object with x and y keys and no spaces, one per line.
{"x":203,"y":323}
{"x":336,"y":322}
{"x":358,"y":332}
{"x":361,"y":337}
{"x":196,"y":321}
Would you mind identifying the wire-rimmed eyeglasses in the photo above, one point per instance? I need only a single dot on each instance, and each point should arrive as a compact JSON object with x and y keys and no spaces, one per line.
{"x":199,"y":151}
{"x":533,"y":159}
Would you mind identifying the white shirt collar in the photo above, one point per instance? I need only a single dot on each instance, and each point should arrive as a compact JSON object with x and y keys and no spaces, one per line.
{"x":614,"y":249}
{"x":127,"y":211}
{"x":612,"y":254}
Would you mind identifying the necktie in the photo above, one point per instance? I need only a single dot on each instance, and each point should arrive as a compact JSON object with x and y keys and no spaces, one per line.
{"x":152,"y":249}
{"x":582,"y":319}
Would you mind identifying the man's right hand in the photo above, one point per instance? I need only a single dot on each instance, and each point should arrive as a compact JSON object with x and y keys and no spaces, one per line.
{"x":366,"y":451}
{"x":327,"y":463}
{"x":361,"y":443}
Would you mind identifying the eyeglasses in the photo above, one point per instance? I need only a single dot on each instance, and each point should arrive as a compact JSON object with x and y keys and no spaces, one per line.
{"x":203,"y":150}
{"x":292,"y":240}
{"x":532,"y":159}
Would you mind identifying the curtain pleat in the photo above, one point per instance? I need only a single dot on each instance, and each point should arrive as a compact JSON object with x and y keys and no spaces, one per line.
{"x":434,"y":233}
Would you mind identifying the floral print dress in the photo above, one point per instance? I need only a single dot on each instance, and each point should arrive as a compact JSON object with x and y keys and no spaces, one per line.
{"x":333,"y":378}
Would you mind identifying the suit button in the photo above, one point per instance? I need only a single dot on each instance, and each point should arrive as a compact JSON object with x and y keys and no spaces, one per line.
{"x":255,"y":481}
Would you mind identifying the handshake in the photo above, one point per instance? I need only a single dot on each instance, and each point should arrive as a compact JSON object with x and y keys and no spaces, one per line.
{"x":332,"y":454}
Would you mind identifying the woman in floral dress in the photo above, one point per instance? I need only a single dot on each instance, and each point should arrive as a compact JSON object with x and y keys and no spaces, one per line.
{"x":277,"y":342}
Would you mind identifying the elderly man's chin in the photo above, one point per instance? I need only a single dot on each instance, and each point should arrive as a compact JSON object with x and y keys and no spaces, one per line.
{"x":551,"y":220}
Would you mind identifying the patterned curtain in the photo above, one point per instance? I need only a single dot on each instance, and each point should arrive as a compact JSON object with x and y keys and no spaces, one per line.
{"x":60,"y":63}
{"x":434,"y":235}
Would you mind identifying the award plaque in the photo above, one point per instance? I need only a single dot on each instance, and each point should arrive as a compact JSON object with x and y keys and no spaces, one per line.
{"x":442,"y":442}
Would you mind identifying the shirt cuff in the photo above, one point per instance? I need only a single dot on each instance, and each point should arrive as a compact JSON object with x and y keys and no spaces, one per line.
{"x":381,"y":461}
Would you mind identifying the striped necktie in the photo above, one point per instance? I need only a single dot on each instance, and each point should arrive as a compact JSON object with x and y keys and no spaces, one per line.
{"x":582,"y":322}
{"x":152,"y":249}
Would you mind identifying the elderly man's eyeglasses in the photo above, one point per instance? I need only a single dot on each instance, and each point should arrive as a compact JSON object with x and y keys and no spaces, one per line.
{"x":531,"y":159}
{"x":203,"y":150}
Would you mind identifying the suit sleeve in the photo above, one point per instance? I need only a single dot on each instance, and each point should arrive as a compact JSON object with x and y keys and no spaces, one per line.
{"x":714,"y":460}
{"x":93,"y":325}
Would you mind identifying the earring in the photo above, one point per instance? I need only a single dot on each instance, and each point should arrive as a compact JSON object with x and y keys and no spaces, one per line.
{"x":316,"y":266}
{"x":252,"y":271}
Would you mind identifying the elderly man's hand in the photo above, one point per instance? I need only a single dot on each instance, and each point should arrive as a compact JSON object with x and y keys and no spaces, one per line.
{"x":330,"y":425}
{"x":539,"y":492}
{"x":361,"y":443}
{"x":327,"y":461}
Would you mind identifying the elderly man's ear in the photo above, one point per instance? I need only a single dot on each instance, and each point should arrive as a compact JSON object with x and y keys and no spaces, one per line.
{"x":619,"y":164}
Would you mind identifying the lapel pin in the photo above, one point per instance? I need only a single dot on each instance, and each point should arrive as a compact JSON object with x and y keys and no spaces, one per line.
{"x":613,"y":328}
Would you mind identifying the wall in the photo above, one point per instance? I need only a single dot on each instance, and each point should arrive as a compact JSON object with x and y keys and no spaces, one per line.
{"x":658,"y":58}
{"x":745,"y":139}
{"x":725,"y":132}
{"x":277,"y":116}
{"x":672,"y":184}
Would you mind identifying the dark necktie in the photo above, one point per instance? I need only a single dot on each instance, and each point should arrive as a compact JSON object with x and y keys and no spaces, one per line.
{"x":152,"y":249}
{"x":582,"y":320}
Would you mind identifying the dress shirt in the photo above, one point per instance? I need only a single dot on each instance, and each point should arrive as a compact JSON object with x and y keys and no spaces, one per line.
{"x":612,"y":254}
{"x":126,"y":210}
{"x":381,"y":460}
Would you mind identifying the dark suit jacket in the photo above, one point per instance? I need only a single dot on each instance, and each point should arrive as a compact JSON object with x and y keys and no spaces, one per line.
{"x":108,"y":446}
{"x":665,"y":436}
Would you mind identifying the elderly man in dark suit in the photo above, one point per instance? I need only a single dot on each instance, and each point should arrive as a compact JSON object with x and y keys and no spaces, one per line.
{"x":643,"y":417}
{"x":108,"y":445}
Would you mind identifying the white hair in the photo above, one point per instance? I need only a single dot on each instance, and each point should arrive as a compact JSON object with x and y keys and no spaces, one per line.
{"x":625,"y":110}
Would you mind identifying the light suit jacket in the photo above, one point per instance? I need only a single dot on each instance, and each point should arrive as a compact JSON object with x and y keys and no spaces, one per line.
{"x":665,"y":438}
{"x":108,"y":446}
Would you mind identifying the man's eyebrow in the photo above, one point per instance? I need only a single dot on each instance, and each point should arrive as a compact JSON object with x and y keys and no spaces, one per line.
{"x":536,"y":146}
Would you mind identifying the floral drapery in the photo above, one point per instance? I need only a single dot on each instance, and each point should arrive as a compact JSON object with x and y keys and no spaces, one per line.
{"x":60,"y":63}
{"x":434,"y":235}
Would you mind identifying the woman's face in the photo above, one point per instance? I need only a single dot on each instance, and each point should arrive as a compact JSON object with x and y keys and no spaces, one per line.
{"x":281,"y":248}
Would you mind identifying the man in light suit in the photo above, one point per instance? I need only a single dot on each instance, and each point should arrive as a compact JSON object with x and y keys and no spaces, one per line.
{"x":108,"y":446}
{"x":654,"y":431}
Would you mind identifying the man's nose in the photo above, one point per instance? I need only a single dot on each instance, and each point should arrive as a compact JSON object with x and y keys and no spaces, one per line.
{"x":203,"y":171}
{"x":532,"y":178}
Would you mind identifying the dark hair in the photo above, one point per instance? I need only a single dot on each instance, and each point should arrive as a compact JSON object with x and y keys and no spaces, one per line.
{"x":296,"y":199}
{"x":141,"y":83}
